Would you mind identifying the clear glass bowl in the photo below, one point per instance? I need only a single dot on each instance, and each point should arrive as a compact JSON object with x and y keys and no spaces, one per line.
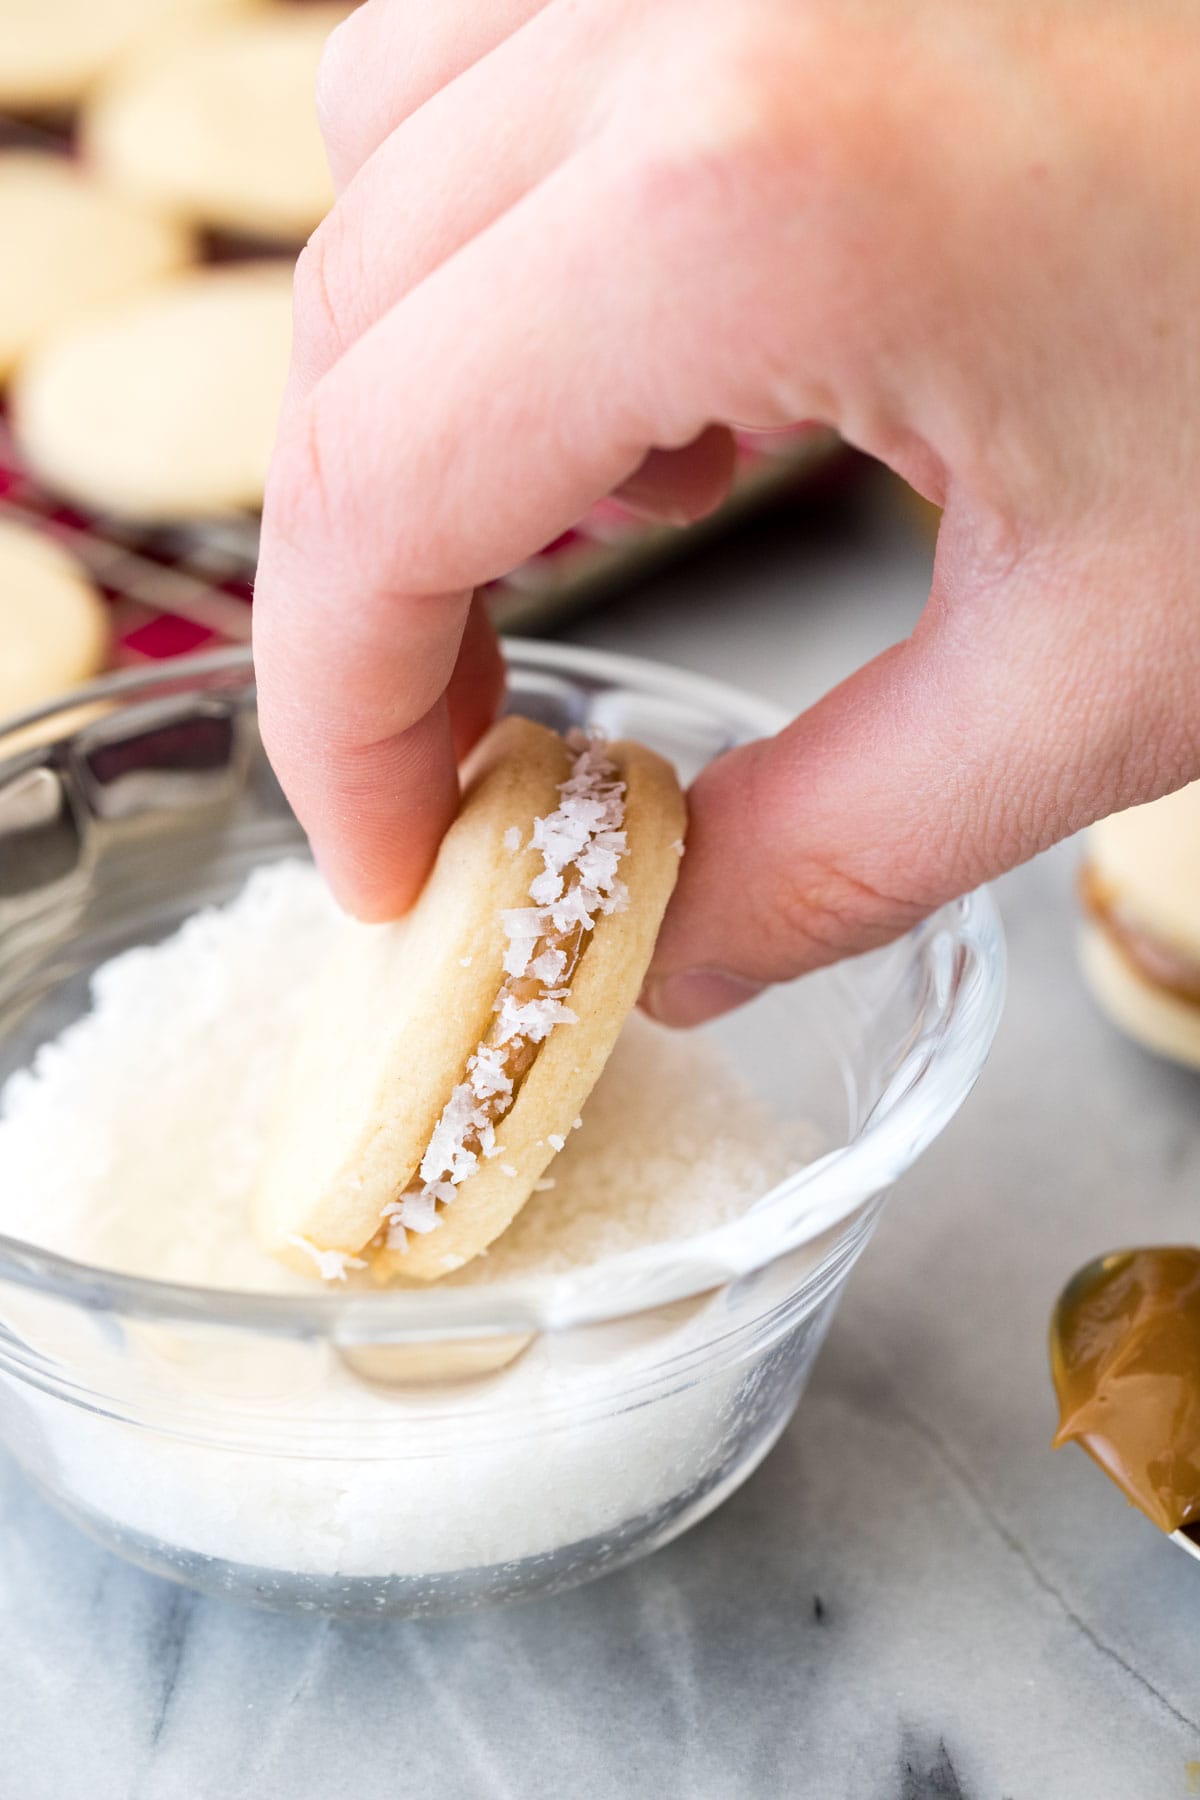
{"x":302,"y":1452}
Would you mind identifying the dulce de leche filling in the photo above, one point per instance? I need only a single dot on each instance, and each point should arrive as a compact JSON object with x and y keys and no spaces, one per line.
{"x":582,"y":843}
{"x":1159,"y":963}
{"x":1125,"y":1354}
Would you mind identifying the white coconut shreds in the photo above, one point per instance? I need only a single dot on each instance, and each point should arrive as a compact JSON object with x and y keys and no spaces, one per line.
{"x":134,"y":1139}
{"x":332,"y":1265}
{"x":582,"y":843}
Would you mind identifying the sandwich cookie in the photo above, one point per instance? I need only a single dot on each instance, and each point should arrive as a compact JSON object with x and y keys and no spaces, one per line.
{"x":1140,"y":946}
{"x":165,"y":406}
{"x":71,"y":244}
{"x":53,"y":625}
{"x":218,"y":127}
{"x":447,"y":1057}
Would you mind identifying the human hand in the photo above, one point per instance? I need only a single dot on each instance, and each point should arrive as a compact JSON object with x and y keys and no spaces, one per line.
{"x":575,"y":239}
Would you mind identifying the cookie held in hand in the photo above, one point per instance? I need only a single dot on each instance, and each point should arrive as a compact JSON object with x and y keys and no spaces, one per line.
{"x":447,"y":1057}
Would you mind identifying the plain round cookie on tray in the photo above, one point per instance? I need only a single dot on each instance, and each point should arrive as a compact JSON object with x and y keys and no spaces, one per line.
{"x":71,"y":244}
{"x":165,"y":406}
{"x":53,"y":624}
{"x":218,"y":126}
{"x":51,"y":51}
{"x":402,"y":1008}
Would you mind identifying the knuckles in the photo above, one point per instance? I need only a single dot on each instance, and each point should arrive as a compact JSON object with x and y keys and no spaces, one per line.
{"x":759,"y":93}
{"x":322,"y":290}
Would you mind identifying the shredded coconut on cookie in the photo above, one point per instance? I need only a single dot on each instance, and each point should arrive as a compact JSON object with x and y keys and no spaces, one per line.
{"x":332,"y":1265}
{"x":582,"y":843}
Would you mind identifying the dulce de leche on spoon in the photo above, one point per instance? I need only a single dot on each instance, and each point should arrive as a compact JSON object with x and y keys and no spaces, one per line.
{"x":1125,"y":1355}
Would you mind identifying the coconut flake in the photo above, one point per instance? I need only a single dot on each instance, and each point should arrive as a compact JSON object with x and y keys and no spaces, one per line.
{"x":616,"y":901}
{"x":417,"y":1210}
{"x":518,"y":956}
{"x":532,"y":1020}
{"x":525,"y":921}
{"x":548,"y":967}
{"x":331,"y":1264}
{"x":578,"y":907}
{"x":581,"y":845}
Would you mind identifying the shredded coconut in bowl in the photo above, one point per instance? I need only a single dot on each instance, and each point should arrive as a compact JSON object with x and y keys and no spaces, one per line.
{"x":134,"y":1139}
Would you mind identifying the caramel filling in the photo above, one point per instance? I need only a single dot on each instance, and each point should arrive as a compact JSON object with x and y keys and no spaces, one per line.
{"x":503,"y":1064}
{"x":582,"y":844}
{"x":1153,"y":961}
{"x":1125,"y":1354}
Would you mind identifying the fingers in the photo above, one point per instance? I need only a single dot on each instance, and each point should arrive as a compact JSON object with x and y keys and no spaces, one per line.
{"x":476,"y":433}
{"x":477,"y":684}
{"x":390,"y":56}
{"x":355,"y":718}
{"x":438,"y":179}
{"x":1040,"y":701}
{"x":448,"y":443}
{"x":678,"y":486}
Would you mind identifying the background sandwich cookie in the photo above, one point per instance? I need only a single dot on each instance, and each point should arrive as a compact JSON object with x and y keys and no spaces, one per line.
{"x":447,"y":1057}
{"x":1140,"y":945}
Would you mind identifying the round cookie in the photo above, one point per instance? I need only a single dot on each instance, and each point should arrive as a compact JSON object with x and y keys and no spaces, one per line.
{"x":219,"y":126}
{"x":53,"y":623}
{"x":373,"y":1119}
{"x":1140,"y":947}
{"x":71,"y":244}
{"x":164,"y":407}
{"x":51,"y":51}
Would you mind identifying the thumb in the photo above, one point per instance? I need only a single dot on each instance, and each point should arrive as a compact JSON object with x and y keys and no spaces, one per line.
{"x":1032,"y":698}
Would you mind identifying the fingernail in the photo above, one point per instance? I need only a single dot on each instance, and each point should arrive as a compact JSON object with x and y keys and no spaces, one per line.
{"x":697,"y":995}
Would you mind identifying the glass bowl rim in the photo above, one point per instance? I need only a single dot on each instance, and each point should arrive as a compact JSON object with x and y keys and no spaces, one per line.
{"x":821,"y":1197}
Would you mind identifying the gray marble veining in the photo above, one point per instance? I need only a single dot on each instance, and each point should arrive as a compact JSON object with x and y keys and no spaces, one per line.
{"x":913,"y":1599}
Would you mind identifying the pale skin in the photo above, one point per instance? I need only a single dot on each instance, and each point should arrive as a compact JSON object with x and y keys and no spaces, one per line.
{"x":576,"y":239}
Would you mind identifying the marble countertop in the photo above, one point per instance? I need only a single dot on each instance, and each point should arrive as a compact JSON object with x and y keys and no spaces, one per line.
{"x":912,"y":1599}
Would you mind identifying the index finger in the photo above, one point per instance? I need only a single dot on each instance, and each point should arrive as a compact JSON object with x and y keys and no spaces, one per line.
{"x":462,"y":432}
